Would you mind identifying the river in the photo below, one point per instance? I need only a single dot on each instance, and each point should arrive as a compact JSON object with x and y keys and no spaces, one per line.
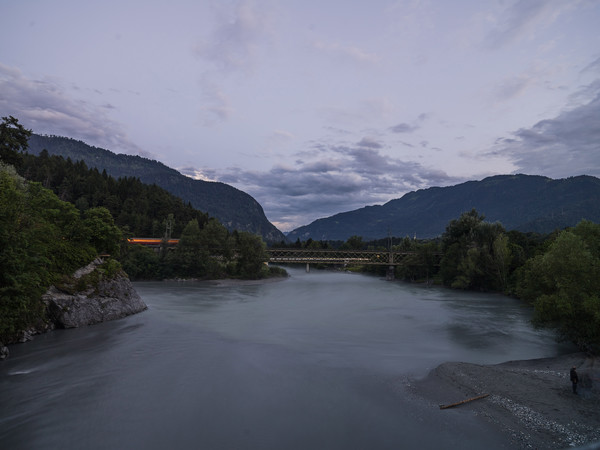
{"x":320,"y":360}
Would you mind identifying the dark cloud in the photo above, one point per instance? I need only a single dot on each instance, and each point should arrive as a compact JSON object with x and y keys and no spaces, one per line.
{"x":566,"y":145}
{"x":403,"y":128}
{"x":338,"y":178}
{"x":369,"y":143}
{"x":45,"y":107}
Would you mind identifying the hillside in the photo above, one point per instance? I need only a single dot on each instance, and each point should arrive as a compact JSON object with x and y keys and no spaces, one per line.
{"x":233,"y":208}
{"x":519,"y":202}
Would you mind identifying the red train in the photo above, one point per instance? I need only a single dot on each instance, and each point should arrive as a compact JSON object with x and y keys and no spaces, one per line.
{"x":152,"y":242}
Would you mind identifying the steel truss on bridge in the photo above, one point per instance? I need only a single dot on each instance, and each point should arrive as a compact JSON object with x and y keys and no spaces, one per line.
{"x":357,"y":257}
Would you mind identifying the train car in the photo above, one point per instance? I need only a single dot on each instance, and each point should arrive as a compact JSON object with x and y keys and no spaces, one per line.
{"x":152,"y":242}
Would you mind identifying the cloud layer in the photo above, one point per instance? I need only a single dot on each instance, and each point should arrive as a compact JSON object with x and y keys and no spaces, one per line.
{"x":46,"y":106}
{"x":566,"y":145}
{"x":314,"y":108}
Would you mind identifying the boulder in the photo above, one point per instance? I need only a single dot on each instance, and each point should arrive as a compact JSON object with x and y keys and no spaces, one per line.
{"x":102,"y":298}
{"x":3,"y":351}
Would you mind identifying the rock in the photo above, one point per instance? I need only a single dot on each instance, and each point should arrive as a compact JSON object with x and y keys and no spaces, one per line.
{"x":3,"y":351}
{"x":104,"y":299}
{"x":26,"y":335}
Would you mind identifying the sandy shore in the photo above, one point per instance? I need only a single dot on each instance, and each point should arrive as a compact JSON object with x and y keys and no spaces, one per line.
{"x":529,"y":401}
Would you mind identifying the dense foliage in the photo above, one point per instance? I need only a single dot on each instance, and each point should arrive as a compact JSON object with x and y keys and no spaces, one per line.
{"x":42,"y":238}
{"x":563,"y":284}
{"x":138,"y":209}
{"x":210,"y":252}
{"x":476,"y":254}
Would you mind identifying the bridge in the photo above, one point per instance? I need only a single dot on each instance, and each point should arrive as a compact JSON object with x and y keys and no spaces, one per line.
{"x":316,"y":256}
{"x":328,"y":256}
{"x":344,"y":257}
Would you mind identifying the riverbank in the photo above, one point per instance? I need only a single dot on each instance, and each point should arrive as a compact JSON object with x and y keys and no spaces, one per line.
{"x":231,"y":281}
{"x":531,"y":400}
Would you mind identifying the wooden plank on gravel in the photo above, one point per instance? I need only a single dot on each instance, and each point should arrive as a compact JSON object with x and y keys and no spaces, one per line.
{"x":451,"y":405}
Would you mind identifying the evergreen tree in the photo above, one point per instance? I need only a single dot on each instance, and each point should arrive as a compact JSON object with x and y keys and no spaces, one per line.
{"x":13,"y":141}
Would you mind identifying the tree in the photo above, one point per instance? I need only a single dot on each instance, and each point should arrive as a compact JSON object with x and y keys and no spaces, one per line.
{"x":564,"y":285}
{"x":13,"y":141}
{"x":101,"y":230}
{"x":140,"y":263}
{"x":189,"y":257}
{"x":353,"y":243}
{"x":421,"y":265}
{"x":476,"y":253}
{"x":215,"y":238}
{"x":251,"y":256}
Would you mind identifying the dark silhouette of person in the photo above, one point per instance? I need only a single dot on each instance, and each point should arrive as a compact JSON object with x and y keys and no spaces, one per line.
{"x":574,"y":379}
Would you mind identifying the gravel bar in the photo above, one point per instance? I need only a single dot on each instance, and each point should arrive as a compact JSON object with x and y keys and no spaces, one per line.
{"x":530,"y":401}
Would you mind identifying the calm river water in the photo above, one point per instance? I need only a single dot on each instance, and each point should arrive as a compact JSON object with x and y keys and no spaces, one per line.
{"x":317,"y":361}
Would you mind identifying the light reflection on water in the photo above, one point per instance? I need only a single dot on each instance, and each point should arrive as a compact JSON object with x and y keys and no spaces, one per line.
{"x":318,"y":360}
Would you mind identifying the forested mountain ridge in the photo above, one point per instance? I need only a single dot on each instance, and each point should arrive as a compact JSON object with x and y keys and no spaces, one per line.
{"x":138,"y":209}
{"x":519,"y":202}
{"x":235,"y":209}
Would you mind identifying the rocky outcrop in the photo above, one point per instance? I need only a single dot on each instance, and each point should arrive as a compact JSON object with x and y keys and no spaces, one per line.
{"x":93,"y":295}
{"x":3,"y":351}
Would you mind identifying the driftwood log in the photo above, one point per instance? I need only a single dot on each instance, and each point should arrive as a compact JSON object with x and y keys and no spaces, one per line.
{"x":451,"y":405}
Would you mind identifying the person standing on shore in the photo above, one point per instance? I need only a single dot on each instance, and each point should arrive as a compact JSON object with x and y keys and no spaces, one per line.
{"x":574,"y":379}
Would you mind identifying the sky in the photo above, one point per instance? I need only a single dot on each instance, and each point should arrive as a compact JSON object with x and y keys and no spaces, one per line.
{"x":314,"y":107}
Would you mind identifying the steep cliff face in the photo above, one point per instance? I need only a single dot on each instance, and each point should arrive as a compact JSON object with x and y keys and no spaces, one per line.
{"x":93,"y":295}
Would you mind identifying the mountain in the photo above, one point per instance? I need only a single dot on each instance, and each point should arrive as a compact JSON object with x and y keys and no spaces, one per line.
{"x":233,"y":208}
{"x":518,"y":202}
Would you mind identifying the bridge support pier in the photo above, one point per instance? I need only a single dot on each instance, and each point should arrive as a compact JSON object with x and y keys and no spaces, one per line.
{"x":390,"y":275}
{"x":307,"y":267}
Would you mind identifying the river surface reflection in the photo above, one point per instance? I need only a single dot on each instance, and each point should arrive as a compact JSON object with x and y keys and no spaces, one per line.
{"x":317,"y":361}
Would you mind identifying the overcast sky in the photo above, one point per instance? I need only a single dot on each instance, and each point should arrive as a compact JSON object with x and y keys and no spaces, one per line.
{"x":314,"y":107}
